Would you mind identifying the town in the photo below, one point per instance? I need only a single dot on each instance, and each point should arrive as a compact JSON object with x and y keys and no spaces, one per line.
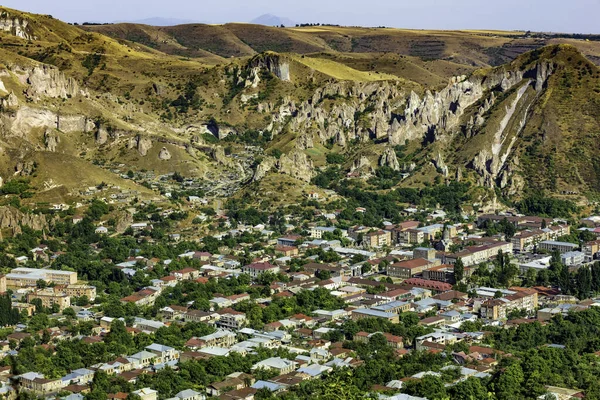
{"x":277,"y":308}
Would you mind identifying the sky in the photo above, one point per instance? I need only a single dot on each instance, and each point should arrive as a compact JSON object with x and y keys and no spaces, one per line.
{"x":576,"y":16}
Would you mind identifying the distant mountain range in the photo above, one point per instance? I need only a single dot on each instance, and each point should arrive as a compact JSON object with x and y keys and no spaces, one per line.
{"x":272,"y":20}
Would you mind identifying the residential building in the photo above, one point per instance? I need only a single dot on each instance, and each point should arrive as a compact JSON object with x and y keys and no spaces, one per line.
{"x":200,"y":316}
{"x":50,"y":297}
{"x":28,"y":277}
{"x":317,"y":232}
{"x":164,"y":354}
{"x":220,"y":338}
{"x":473,"y":255}
{"x":361,"y":313}
{"x":186,"y":274}
{"x":257,"y":269}
{"x":377,"y":239}
{"x":147,"y":394}
{"x":37,"y":383}
{"x":281,"y":365}
{"x":499,"y":308}
{"x":231,"y":319}
{"x":444,"y":273}
{"x":81,"y":290}
{"x":571,"y":258}
{"x":561,"y":247}
{"x":591,"y":250}
{"x":408,"y":268}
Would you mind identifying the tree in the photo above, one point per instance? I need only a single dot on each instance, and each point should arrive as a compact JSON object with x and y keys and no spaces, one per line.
{"x":584,"y":282}
{"x":459,"y":270}
{"x":510,"y":383}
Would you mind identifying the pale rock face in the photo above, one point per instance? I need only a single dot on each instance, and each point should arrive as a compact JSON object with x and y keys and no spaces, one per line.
{"x":141,"y":144}
{"x":10,"y":102}
{"x":74,"y":123}
{"x":389,"y":159}
{"x":190,"y":150}
{"x":218,"y":154}
{"x":164,"y":154}
{"x":47,"y":81}
{"x":305,"y":141}
{"x":51,"y":140}
{"x":362,"y":165}
{"x":273,"y":63}
{"x":101,"y":135}
{"x":440,"y":164}
{"x":244,"y":98}
{"x":297,"y":165}
{"x":458,"y":174}
{"x":26,"y":119}
{"x":16,"y":27}
{"x":267,"y":164}
{"x":24,"y":168}
{"x":253,"y":78}
{"x":12,"y":218}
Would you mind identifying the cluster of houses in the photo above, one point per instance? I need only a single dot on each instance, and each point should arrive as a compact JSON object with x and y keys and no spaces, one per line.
{"x":381,"y":273}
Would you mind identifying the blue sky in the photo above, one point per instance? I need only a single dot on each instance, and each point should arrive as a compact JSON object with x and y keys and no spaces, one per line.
{"x":579,"y":16}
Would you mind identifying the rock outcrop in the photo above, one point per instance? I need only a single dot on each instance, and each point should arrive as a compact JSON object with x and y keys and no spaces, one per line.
{"x":262,"y":169}
{"x":51,"y":140}
{"x":274,"y":63}
{"x":16,"y":26}
{"x":389,"y":159}
{"x":12,"y":218}
{"x":297,"y":165}
{"x":141,"y":144}
{"x":24,"y":168}
{"x":46,"y":81}
{"x":164,"y":154}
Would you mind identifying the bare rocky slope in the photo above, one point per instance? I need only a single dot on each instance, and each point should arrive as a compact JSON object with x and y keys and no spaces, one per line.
{"x":72,"y":97}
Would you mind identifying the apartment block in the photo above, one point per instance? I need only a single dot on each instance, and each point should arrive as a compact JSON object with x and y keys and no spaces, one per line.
{"x":522,"y":299}
{"x":473,"y":255}
{"x":28,"y":277}
{"x":409,"y":268}
{"x":49,"y":297}
{"x":81,"y":290}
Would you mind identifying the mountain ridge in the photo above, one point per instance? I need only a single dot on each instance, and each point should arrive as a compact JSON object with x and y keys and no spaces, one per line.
{"x":110,"y":102}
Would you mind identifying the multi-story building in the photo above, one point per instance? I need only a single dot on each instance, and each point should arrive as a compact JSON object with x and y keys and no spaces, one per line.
{"x":444,"y":273}
{"x":186,"y":274}
{"x":28,"y":277}
{"x":408,"y":268}
{"x":473,"y":255}
{"x":49,"y":297}
{"x":591,"y":250}
{"x":432,"y":231}
{"x":28,"y":308}
{"x":221,"y":338}
{"x":398,"y":231}
{"x":257,"y":269}
{"x":81,"y":290}
{"x":526,"y":240}
{"x":37,"y":383}
{"x":395,"y":342}
{"x":377,"y":239}
{"x":361,"y":313}
{"x":412,"y":236}
{"x":231,"y":319}
{"x":522,"y":299}
{"x":317,"y":232}
{"x":562,"y":247}
{"x":571,"y":258}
